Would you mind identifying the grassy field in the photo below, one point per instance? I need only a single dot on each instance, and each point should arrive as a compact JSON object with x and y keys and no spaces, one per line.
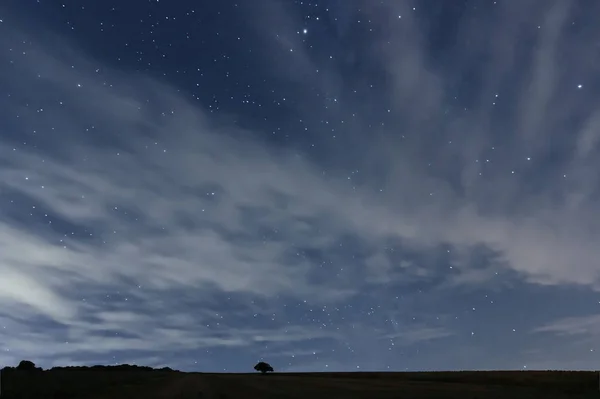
{"x":106,"y":383}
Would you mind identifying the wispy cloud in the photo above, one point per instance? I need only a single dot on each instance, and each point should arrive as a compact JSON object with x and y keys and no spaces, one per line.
{"x":577,"y":325}
{"x":142,"y":207}
{"x":413,"y":335}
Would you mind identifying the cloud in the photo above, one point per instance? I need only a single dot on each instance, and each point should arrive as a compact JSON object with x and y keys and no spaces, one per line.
{"x":565,"y":343}
{"x":116,"y":212}
{"x":498,"y":167}
{"x":132,"y":191}
{"x":576,"y":325}
{"x":414,"y":335}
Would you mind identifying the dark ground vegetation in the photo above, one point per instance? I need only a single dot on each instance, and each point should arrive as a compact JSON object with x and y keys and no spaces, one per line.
{"x":131,"y":382}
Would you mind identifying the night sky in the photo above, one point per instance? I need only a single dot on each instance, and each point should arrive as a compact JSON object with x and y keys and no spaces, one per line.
{"x":326,"y":186}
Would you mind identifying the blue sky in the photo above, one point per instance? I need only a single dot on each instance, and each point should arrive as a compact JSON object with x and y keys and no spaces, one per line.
{"x":328,"y":185}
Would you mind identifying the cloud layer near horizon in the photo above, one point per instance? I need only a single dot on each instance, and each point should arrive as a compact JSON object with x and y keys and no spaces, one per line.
{"x":149,"y":218}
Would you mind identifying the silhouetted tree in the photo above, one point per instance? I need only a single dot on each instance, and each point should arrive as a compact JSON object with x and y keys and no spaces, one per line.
{"x":263,"y":367}
{"x":27,"y":365}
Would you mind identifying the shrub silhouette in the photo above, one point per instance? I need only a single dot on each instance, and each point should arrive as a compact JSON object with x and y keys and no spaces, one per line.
{"x":263,"y":367}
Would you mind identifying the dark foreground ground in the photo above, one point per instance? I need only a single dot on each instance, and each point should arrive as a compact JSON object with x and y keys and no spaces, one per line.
{"x":105,"y":383}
